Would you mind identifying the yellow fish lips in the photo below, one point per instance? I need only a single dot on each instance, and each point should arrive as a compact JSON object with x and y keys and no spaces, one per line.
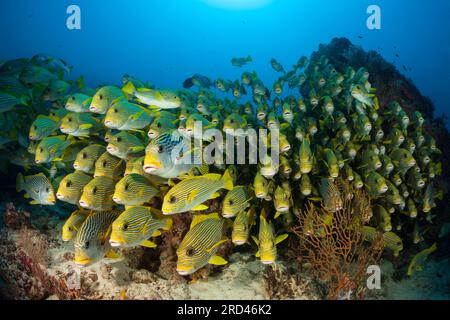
{"x":151,"y":163}
{"x":60,"y":196}
{"x":185,"y":270}
{"x":83,"y":203}
{"x":116,"y":241}
{"x":112,"y":149}
{"x":238,"y":239}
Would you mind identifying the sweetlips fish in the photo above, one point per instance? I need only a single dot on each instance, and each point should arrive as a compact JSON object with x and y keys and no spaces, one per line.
{"x":92,"y":239}
{"x":154,"y":98}
{"x":417,"y":263}
{"x":159,"y":126}
{"x":104,"y":98}
{"x":242,"y":225}
{"x":78,"y":102}
{"x":235,"y":201}
{"x":133,"y":190}
{"x":37,"y":187}
{"x":109,"y":166}
{"x":71,"y":187}
{"x":73,"y":224}
{"x":390,"y":239}
{"x":51,"y":148}
{"x":200,"y":244}
{"x":124,"y":144}
{"x":190,"y":193}
{"x":136,"y":225}
{"x":80,"y":124}
{"x":124,"y":115}
{"x":97,"y":194}
{"x":86,"y":158}
{"x":267,"y":241}
{"x":42,"y":127}
{"x":240,"y":62}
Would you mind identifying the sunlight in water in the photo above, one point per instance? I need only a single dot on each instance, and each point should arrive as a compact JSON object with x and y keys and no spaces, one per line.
{"x":238,"y":4}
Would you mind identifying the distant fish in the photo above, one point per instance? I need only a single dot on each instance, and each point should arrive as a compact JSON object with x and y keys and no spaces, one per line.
{"x":239,"y":62}
{"x":360,"y":37}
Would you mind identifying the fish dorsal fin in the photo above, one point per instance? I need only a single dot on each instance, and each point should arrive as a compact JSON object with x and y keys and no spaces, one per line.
{"x":212,"y":176}
{"x":192,"y":195}
{"x":159,"y":96}
{"x":202,"y":217}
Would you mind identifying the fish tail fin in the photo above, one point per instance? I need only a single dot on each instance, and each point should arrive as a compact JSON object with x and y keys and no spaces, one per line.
{"x":129,"y":88}
{"x":227,"y":181}
{"x":19,"y":182}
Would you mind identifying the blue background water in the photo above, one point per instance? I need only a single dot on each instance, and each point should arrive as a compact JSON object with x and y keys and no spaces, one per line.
{"x":165,"y":41}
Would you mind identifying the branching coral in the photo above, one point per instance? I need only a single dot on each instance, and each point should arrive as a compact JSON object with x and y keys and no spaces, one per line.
{"x":332,"y":245}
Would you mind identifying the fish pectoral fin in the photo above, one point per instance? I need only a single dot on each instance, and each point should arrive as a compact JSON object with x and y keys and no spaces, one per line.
{"x":217,"y":261}
{"x":86,"y":126}
{"x":136,"y":149}
{"x":157,"y":233}
{"x":281,"y":238}
{"x":111,"y":254}
{"x":215,"y":195}
{"x":148,"y":244}
{"x":256,"y":240}
{"x":200,"y":207}
{"x":159,"y":96}
{"x":192,"y":195}
{"x":257,"y":254}
{"x":277,"y":214}
{"x":33,"y":202}
{"x":27,"y":196}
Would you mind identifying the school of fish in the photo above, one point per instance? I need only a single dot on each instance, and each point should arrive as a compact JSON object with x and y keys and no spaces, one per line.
{"x":109,"y":152}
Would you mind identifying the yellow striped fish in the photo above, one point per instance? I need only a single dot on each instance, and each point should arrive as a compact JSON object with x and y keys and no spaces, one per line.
{"x":189,"y":194}
{"x":37,"y":187}
{"x":136,"y":225}
{"x":134,"y":190}
{"x":73,"y":224}
{"x":242,"y":225}
{"x":124,"y":115}
{"x":200,"y":244}
{"x":97,"y":194}
{"x":123,"y":144}
{"x":104,"y":98}
{"x":266,"y":241}
{"x":236,"y":200}
{"x":78,"y":102}
{"x":92,"y":240}
{"x":85,"y":159}
{"x":80,"y":124}
{"x":50,"y":148}
{"x":109,"y":166}
{"x":71,"y":187}
{"x":390,"y":239}
{"x":42,"y":127}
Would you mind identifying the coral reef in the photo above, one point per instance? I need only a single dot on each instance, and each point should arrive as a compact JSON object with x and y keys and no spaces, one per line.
{"x":332,"y":246}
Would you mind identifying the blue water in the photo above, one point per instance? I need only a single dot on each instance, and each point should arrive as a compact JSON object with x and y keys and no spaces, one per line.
{"x":165,"y":41}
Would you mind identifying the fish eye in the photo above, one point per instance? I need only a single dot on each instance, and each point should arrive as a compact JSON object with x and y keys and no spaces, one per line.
{"x":94,"y":190}
{"x":115,"y":110}
{"x":160,"y":149}
{"x":172,"y":199}
{"x":86,"y":244}
{"x":73,"y":98}
{"x":104,"y":164}
{"x":41,"y":150}
{"x":126,"y":187}
{"x":231,"y":202}
{"x":69,"y":119}
{"x":84,"y":155}
{"x":231,"y":121}
{"x":190,"y":252}
{"x":158,"y":125}
{"x":125,"y":227}
{"x":70,"y":228}
{"x":100,"y":97}
{"x":119,"y":139}
{"x":35,"y":127}
{"x":405,"y":156}
{"x":68,"y":184}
